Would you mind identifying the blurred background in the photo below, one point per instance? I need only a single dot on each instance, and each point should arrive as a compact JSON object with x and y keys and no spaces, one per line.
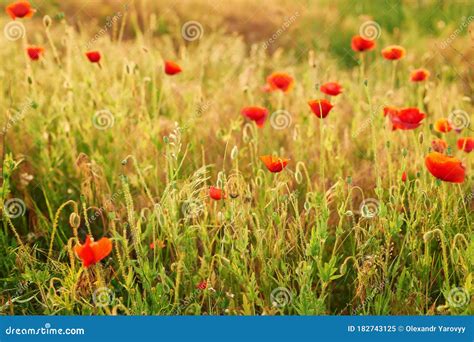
{"x":323,"y":25}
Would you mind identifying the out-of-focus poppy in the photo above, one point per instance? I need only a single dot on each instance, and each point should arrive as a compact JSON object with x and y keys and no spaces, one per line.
{"x":320,"y":108}
{"x":172,"y":68}
{"x":35,"y":52}
{"x":93,"y":56}
{"x":442,"y":126}
{"x":466,"y":144}
{"x":439,"y":145}
{"x":331,"y":88}
{"x":448,"y":169}
{"x":255,"y":113}
{"x":216,"y":193}
{"x":360,"y":44}
{"x":202,"y":285}
{"x":404,"y":176}
{"x":404,"y":119}
{"x":274,"y":164}
{"x":20,"y":9}
{"x":280,"y":81}
{"x":157,"y":243}
{"x":419,"y":75}
{"x":91,"y":252}
{"x":393,"y":52}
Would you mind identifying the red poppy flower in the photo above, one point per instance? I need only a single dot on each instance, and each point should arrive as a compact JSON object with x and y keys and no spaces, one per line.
{"x":93,"y":56}
{"x":257,"y":114}
{"x":404,"y":176}
{"x":202,"y":285}
{"x":274,"y":164}
{"x":439,"y":145}
{"x":216,"y":193}
{"x":331,"y":88}
{"x":20,"y":9}
{"x":171,"y":68}
{"x":320,"y":108}
{"x":280,"y":81}
{"x":442,"y":126}
{"x":92,"y":252}
{"x":419,"y":75}
{"x":390,"y":111}
{"x":404,"y":119}
{"x":448,"y":169}
{"x":393,"y":52}
{"x":35,"y":52}
{"x":360,"y":44}
{"x":157,"y":243}
{"x":466,"y":144}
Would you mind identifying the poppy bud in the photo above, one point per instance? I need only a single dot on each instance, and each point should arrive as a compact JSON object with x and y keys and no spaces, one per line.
{"x":420,"y":138}
{"x":234,"y":153}
{"x":74,"y":220}
{"x":47,"y":21}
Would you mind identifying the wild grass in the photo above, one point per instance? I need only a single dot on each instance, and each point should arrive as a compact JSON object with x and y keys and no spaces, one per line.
{"x":302,"y":235}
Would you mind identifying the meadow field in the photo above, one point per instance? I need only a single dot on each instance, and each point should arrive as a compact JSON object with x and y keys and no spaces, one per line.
{"x":308,"y":157}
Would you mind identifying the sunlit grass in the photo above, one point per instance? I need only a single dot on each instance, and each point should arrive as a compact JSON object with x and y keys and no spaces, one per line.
{"x":124,"y":151}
